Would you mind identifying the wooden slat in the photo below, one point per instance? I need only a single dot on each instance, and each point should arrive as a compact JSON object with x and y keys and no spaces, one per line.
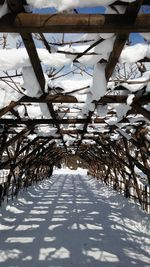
{"x":33,"y":152}
{"x":108,"y":99}
{"x":4,"y":110}
{"x":32,"y":122}
{"x":33,"y":55}
{"x":74,"y":23}
{"x":35,"y":61}
{"x":145,"y":99}
{"x":131,"y":11}
{"x":138,"y":109}
{"x":16,"y":137}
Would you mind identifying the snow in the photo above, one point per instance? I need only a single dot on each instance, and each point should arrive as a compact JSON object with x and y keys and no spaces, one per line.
{"x":45,"y":111}
{"x":8,"y":93}
{"x":81,"y":220}
{"x":105,"y":47}
{"x":102,"y":110}
{"x":122,"y":109}
{"x":118,"y":9}
{"x":3,"y":9}
{"x":134,"y":53}
{"x":138,"y":84}
{"x":130,"y":99}
{"x":62,"y":5}
{"x":31,"y":84}
{"x":14,"y":59}
{"x":69,"y":85}
{"x":86,"y":74}
{"x":99,"y":81}
{"x":123,"y":133}
{"x":145,"y":35}
{"x":46,"y":130}
{"x":11,"y":59}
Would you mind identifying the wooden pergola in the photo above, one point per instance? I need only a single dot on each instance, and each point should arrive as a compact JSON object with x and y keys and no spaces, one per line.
{"x":105,"y":158}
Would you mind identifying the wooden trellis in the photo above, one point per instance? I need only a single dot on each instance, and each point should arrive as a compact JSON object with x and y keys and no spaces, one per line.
{"x":106,"y":159}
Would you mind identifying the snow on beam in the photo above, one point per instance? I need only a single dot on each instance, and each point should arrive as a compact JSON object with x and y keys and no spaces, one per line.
{"x":143,"y":100}
{"x":74,"y":23}
{"x":43,"y":99}
{"x":145,"y":2}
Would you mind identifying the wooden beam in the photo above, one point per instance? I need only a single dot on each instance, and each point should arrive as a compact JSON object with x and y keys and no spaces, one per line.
{"x":127,"y":136}
{"x":131,"y":11}
{"x":33,"y":122}
{"x":5,"y":163}
{"x":4,"y":110}
{"x":108,"y":99}
{"x":47,"y":152}
{"x":145,"y":99}
{"x":74,"y":23}
{"x":16,"y":137}
{"x":35,"y":61}
{"x":32,"y":152}
{"x":140,"y":110}
{"x":34,"y":58}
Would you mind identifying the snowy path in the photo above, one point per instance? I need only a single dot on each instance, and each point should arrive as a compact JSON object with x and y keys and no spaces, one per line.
{"x":71,"y":221}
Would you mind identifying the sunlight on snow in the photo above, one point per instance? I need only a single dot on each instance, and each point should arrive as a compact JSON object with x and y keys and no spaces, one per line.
{"x":34,"y":219}
{"x":22,"y":240}
{"x":27,"y":227}
{"x":49,"y":239}
{"x":38,"y":212}
{"x":102,"y":256}
{"x":14,"y":209}
{"x":5,"y":227}
{"x":132,"y":254}
{"x":81,"y":221}
{"x":61,"y":253}
{"x":9,"y":254}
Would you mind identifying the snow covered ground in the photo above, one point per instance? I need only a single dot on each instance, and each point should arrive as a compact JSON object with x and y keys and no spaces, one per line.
{"x":70,"y":220}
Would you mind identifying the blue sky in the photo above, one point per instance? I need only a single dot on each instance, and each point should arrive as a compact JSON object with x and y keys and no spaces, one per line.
{"x":94,"y":10}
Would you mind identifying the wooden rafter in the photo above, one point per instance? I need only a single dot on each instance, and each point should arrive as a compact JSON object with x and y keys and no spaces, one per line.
{"x":74,"y":23}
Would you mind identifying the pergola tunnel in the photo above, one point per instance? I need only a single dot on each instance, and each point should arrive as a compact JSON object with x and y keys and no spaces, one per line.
{"x":71,"y":96}
{"x":75,"y":115}
{"x":108,"y":169}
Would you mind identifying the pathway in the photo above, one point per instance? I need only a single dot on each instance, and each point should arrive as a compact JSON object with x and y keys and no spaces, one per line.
{"x":70,"y":220}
